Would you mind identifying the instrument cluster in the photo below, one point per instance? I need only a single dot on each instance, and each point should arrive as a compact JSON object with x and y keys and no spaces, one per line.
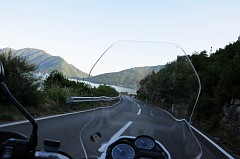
{"x":141,"y":147}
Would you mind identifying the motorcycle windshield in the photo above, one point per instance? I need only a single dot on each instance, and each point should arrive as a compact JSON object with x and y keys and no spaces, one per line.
{"x":157,"y":91}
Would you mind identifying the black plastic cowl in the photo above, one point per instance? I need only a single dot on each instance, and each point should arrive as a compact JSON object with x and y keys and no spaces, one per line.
{"x":51,"y":145}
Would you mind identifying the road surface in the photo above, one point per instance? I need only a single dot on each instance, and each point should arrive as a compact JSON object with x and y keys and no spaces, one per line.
{"x":129,"y":116}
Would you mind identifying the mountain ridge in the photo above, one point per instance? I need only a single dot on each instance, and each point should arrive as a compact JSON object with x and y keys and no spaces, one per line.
{"x":128,"y":78}
{"x":46,"y":63}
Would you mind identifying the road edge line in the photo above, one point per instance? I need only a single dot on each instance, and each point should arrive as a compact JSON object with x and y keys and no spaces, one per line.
{"x":213,"y":143}
{"x":55,"y":116}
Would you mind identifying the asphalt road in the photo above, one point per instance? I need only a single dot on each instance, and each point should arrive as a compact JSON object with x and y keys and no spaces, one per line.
{"x":128,"y":117}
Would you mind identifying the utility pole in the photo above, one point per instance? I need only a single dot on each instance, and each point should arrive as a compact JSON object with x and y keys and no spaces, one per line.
{"x":210,"y":52}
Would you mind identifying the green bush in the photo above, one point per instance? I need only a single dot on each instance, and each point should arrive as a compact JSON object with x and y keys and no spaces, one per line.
{"x":58,"y":94}
{"x":104,"y":90}
{"x":20,"y":79}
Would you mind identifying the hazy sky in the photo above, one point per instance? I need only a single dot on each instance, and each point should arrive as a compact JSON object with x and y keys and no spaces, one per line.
{"x":79,"y":31}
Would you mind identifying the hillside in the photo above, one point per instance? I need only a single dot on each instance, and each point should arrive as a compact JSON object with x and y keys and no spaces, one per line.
{"x":218,"y":108}
{"x":128,"y":78}
{"x":46,"y":63}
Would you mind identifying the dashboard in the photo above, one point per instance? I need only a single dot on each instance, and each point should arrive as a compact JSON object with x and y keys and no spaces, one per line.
{"x":141,"y":147}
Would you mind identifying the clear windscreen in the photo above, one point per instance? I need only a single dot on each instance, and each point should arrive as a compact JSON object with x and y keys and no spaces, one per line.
{"x":143,"y":88}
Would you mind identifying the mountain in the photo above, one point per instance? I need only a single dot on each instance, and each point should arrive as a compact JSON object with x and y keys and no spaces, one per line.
{"x":46,"y":63}
{"x":128,"y":78}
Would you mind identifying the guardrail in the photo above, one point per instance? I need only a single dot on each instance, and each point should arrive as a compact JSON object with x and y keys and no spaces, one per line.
{"x":72,"y":99}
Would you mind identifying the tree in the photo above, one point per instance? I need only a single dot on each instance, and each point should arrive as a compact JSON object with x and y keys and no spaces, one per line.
{"x":176,"y":85}
{"x":57,"y":87}
{"x":55,"y":78}
{"x":20,"y":79}
{"x":104,"y":90}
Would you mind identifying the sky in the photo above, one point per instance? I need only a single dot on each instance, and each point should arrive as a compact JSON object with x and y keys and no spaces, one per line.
{"x":81,"y":30}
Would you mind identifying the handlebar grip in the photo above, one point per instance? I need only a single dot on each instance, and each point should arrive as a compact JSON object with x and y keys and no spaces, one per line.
{"x":50,"y":155}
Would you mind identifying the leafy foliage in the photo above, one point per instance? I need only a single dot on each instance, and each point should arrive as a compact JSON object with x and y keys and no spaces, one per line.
{"x":220,"y":79}
{"x":220,"y":82}
{"x":104,"y":90}
{"x":57,"y":87}
{"x":20,"y":79}
{"x":171,"y":86}
{"x":219,"y":74}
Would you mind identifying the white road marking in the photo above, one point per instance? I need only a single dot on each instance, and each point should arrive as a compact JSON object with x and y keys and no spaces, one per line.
{"x":214,"y":144}
{"x":151,"y":114}
{"x":42,"y":118}
{"x":15,"y":123}
{"x":59,"y":115}
{"x":115,"y":136}
{"x":139,"y":111}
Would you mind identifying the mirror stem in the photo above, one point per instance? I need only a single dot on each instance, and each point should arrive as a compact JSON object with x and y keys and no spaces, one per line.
{"x":34,"y":137}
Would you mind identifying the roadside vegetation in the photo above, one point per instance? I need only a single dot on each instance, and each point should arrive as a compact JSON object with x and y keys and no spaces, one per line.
{"x":218,"y":109}
{"x":42,"y":97}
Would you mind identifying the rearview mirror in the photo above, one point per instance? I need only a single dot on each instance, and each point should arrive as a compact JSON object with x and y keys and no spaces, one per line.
{"x":1,"y":72}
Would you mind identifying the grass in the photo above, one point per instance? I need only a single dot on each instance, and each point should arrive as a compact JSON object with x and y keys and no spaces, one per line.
{"x":10,"y":113}
{"x":224,"y":137}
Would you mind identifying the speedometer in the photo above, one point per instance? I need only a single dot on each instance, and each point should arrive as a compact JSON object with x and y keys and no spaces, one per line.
{"x":123,"y":151}
{"x":145,"y":142}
